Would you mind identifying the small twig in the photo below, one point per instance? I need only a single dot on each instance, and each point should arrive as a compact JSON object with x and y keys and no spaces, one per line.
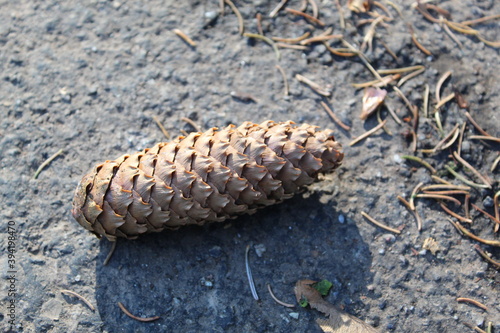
{"x":421,"y":161}
{"x":80,"y":297}
{"x":471,"y":301}
{"x":249,"y":275}
{"x":285,"y":80}
{"x":381,"y":225}
{"x":47,"y":162}
{"x":192,"y":123}
{"x":160,"y":126}
{"x":455,"y":215}
{"x":241,"y":26}
{"x":313,"y":85}
{"x":288,"y":305}
{"x":484,"y":137}
{"x":267,"y":40}
{"x":110,"y":253}
{"x":184,"y":37}
{"x":277,"y":8}
{"x":292,"y":40}
{"x":122,"y":307}
{"x":469,"y":234}
{"x":473,"y":170}
{"x":413,"y":211}
{"x":487,"y":257}
{"x":305,"y":15}
{"x":438,"y":197}
{"x":334,"y":117}
{"x":368,"y":133}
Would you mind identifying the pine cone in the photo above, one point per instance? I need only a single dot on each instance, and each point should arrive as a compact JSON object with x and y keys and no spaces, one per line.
{"x":203,"y":177}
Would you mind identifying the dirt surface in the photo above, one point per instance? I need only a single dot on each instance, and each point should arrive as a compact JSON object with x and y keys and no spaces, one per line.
{"x":88,"y":77}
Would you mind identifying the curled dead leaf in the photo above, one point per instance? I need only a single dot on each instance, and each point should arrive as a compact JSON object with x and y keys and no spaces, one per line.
{"x":372,"y":99}
{"x":336,"y":321}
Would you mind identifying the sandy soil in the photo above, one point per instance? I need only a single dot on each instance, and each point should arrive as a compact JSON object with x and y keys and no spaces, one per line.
{"x":88,"y":77}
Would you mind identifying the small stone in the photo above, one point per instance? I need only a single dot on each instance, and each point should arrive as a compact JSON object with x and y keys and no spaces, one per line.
{"x":341,"y":218}
{"x":488,"y":202}
{"x":381,"y":251}
{"x":78,"y":278}
{"x":389,"y":238}
{"x":396,"y":158}
{"x":294,"y":315}
{"x":260,"y":249}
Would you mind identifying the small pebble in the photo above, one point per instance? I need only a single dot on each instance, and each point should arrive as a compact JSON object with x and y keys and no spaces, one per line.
{"x":341,"y":218}
{"x":381,"y":251}
{"x":260,"y":249}
{"x":78,"y":278}
{"x":294,"y":315}
{"x":389,"y":238}
{"x":396,"y":158}
{"x":488,"y":202}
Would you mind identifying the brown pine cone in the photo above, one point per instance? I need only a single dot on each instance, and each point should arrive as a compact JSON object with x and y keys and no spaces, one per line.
{"x":203,"y":177}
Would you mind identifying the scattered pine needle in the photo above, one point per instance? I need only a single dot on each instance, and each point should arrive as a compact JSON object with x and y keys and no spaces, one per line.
{"x":46,"y":163}
{"x":469,"y":234}
{"x":313,"y":85}
{"x":472,"y":169}
{"x":484,"y":137}
{"x":495,"y":163}
{"x":381,"y":225}
{"x":267,"y":40}
{"x":122,"y":307}
{"x":249,"y":275}
{"x":285,"y":80}
{"x":487,"y":257}
{"x":160,"y":126}
{"x":184,"y":37}
{"x":334,"y":117}
{"x":439,"y":84}
{"x":317,"y":39}
{"x":455,"y":215}
{"x":292,"y":46}
{"x":241,"y":25}
{"x":110,"y":254}
{"x":368,"y":133}
{"x":80,"y":297}
{"x":471,"y":301}
{"x":277,"y":8}
{"x":288,"y":305}
{"x":421,"y":161}
{"x":413,"y":211}
{"x":292,"y":40}
{"x":306,"y":16}
{"x":494,"y":219}
{"x":465,"y":180}
{"x":473,"y":122}
{"x":192,"y":123}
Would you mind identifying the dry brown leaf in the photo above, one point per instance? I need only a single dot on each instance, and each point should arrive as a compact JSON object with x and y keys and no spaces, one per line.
{"x":372,"y":99}
{"x":430,"y":244}
{"x":337,"y":321}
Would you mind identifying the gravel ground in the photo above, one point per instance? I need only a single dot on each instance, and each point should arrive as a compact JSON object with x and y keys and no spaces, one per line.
{"x":89,"y":77}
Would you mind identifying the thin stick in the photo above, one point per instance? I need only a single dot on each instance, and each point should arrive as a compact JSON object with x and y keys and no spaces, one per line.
{"x":484,"y":137}
{"x":487,"y":214}
{"x":487,"y":257}
{"x":267,"y":40}
{"x":463,"y":179}
{"x":285,"y":80}
{"x":110,"y":253}
{"x":316,"y":39}
{"x":473,"y":122}
{"x":471,"y":301}
{"x":414,"y":212}
{"x":334,"y":117}
{"x":46,"y":163}
{"x":455,"y":215}
{"x":80,"y":297}
{"x":313,"y":85}
{"x":306,"y":16}
{"x":472,"y":169}
{"x":438,"y":197}
{"x":163,"y":129}
{"x":288,"y":305}
{"x":292,"y":40}
{"x":381,"y":225}
{"x":277,"y":8}
{"x":122,"y":307}
{"x":249,"y":275}
{"x":192,"y":123}
{"x":184,"y":37}
{"x":368,"y":133}
{"x":241,"y":26}
{"x":469,"y":234}
{"x":439,"y":84}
